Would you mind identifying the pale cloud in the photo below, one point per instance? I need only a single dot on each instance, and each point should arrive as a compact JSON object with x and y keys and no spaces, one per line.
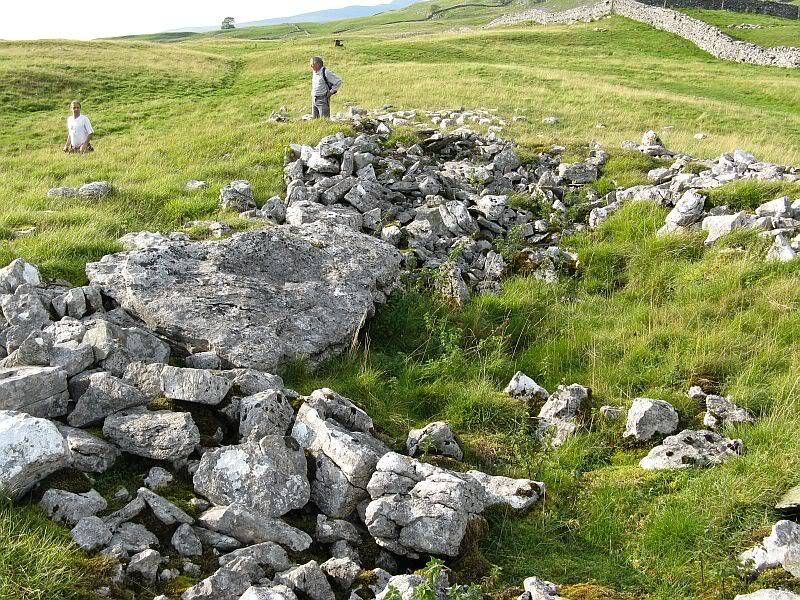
{"x":87,"y":19}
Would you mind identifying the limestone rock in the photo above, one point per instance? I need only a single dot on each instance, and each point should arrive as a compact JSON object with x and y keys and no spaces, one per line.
{"x":768,"y":594}
{"x":38,"y":391}
{"x":648,"y":418}
{"x":237,"y":196}
{"x":539,"y":589}
{"x":158,"y":477}
{"x":223,"y":584}
{"x":419,"y":508}
{"x":434,"y":438}
{"x":558,"y":415}
{"x":307,"y":579}
{"x":193,"y":385}
{"x":164,"y":510}
{"x":337,"y":436}
{"x":17,"y":273}
{"x":95,"y":189}
{"x":68,"y":508}
{"x":87,"y":452}
{"x":333,"y":530}
{"x":522,"y":386}
{"x":145,"y":565}
{"x":268,"y":475}
{"x":160,"y":435}
{"x":720,"y":225}
{"x":116,"y":347}
{"x":265,"y":554}
{"x":104,"y":396}
{"x":341,"y":571}
{"x":30,"y":449}
{"x":722,"y":411}
{"x":691,"y":449}
{"x":91,"y":533}
{"x":186,"y":542}
{"x":133,"y":537}
{"x":688,"y":210}
{"x":234,"y":296}
{"x":265,"y":413}
{"x":252,"y":528}
{"x":519,"y":494}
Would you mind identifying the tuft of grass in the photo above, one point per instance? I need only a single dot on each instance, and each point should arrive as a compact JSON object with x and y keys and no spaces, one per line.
{"x":749,"y":194}
{"x":39,"y":560}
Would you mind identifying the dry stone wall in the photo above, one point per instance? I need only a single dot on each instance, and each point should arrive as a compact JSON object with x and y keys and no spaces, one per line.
{"x":705,"y":36}
{"x":763,"y":7}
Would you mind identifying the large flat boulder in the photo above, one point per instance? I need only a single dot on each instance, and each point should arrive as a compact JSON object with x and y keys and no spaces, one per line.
{"x":258,"y":299}
{"x":38,"y":391}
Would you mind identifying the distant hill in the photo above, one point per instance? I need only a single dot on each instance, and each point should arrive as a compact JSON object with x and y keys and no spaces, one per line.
{"x":320,"y":16}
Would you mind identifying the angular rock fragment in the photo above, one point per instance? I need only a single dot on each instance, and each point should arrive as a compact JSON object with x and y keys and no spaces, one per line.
{"x":522,"y":386}
{"x":91,"y":533}
{"x":160,"y":435}
{"x":337,"y":436}
{"x":105,"y":395}
{"x":647,"y":418}
{"x":252,"y":528}
{"x":265,"y":413}
{"x":722,"y":411}
{"x":68,"y":508}
{"x":88,"y":453}
{"x":434,"y":438}
{"x":38,"y":391}
{"x":772,"y":551}
{"x":267,"y":475}
{"x":307,"y":579}
{"x":30,"y":449}
{"x":691,"y":449}
{"x":193,"y":385}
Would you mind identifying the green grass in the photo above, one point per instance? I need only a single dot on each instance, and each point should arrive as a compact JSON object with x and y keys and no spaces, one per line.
{"x":645,"y":315}
{"x":774,"y":31}
{"x":39,"y":560}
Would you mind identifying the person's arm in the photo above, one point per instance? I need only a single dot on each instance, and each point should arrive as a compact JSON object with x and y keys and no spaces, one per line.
{"x":66,"y":143}
{"x":336,"y":82}
{"x":89,"y":133}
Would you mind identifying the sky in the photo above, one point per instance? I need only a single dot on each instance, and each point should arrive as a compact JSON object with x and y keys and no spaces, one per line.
{"x":88,"y":19}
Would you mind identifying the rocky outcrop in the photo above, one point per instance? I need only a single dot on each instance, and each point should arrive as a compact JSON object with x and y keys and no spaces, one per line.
{"x":258,"y":299}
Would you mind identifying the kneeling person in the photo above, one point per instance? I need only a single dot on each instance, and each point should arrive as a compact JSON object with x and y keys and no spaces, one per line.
{"x":324,"y":84}
{"x":79,"y":130}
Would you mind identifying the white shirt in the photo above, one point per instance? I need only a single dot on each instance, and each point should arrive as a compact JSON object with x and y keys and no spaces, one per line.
{"x":79,"y":130}
{"x":318,"y":85}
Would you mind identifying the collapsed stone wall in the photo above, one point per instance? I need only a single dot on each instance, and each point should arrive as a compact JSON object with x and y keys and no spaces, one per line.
{"x":705,"y":36}
{"x":783,"y":10}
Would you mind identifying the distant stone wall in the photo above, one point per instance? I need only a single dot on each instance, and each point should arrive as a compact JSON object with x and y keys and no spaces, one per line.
{"x":581,"y":13}
{"x":763,"y":7}
{"x":705,"y":36}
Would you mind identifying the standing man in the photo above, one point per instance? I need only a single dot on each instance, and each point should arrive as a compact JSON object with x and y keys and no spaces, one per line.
{"x":79,"y":130}
{"x":324,"y":84}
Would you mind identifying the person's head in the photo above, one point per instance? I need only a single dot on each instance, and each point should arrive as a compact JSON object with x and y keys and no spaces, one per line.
{"x":75,"y":107}
{"x":316,"y":64}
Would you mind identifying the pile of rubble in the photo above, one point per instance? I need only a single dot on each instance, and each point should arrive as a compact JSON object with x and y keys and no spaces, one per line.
{"x":262,"y":460}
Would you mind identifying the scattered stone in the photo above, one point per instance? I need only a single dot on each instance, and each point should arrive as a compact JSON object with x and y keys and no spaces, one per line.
{"x":38,"y":391}
{"x":91,"y":533}
{"x":612,"y":413}
{"x":68,"y":508}
{"x":722,"y":411}
{"x":790,"y":501}
{"x":558,"y":416}
{"x":95,"y":189}
{"x":768,"y":594}
{"x":133,"y":537}
{"x":692,"y":449}
{"x":333,"y":530}
{"x":539,"y":589}
{"x":265,"y":413}
{"x":224,"y":584}
{"x":434,"y":438}
{"x":104,"y":396}
{"x":116,"y":347}
{"x":195,"y":184}
{"x":648,"y":418}
{"x":266,"y":554}
{"x":338,"y":437}
{"x":145,"y":565}
{"x":772,"y":551}
{"x":186,"y":542}
{"x":158,"y":477}
{"x":193,"y":385}
{"x":309,"y":580}
{"x":164,"y":510}
{"x":237,"y":196}
{"x":522,"y":386}
{"x":341,"y":571}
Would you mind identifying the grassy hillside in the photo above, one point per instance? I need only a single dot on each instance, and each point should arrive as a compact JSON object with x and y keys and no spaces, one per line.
{"x":647,"y":316}
{"x":773,"y":31}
